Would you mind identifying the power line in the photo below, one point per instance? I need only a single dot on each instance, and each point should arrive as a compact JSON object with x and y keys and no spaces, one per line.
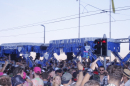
{"x":87,"y":25}
{"x":65,"y":28}
{"x":98,"y":9}
{"x":36,"y":24}
{"x":48,"y":22}
{"x":105,"y":10}
{"x":123,"y":14}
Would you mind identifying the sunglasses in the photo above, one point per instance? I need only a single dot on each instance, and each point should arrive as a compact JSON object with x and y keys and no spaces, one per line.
{"x":101,"y":70}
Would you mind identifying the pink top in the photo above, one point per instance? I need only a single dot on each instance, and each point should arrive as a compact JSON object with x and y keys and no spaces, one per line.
{"x":24,"y":75}
{"x":1,"y":73}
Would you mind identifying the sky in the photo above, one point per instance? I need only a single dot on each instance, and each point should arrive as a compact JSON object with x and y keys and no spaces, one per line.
{"x":21,"y":20}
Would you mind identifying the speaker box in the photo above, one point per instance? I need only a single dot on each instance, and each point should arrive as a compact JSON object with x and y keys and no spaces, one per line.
{"x":14,"y":57}
{"x":37,"y":56}
{"x":69,"y":56}
{"x":43,"y":47}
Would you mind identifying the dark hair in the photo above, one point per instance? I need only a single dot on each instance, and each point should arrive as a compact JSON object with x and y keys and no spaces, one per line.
{"x":65,"y":69}
{"x":17,"y":70}
{"x":39,"y":65}
{"x":10,"y":70}
{"x":101,"y":67}
{"x":50,"y":70}
{"x":92,"y":83}
{"x":44,"y":75}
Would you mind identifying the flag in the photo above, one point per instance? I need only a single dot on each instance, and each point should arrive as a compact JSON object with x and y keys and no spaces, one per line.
{"x":113,"y":7}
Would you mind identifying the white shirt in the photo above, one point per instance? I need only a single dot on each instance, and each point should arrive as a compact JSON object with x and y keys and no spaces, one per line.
{"x":127,"y":83}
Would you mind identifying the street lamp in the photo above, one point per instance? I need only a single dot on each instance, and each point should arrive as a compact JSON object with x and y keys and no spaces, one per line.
{"x":79,"y":20}
{"x":44,"y":32}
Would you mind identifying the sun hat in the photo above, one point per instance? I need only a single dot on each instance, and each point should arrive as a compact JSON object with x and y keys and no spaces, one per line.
{"x":126,"y":72}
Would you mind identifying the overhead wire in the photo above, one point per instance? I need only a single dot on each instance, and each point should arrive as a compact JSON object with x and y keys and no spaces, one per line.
{"x":36,"y":24}
{"x":49,"y":22}
{"x":64,"y":28}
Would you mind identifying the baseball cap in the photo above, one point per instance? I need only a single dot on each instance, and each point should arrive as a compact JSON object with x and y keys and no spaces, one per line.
{"x":37,"y":69}
{"x":66,"y":78}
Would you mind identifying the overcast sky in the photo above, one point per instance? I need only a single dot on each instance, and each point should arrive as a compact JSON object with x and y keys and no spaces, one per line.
{"x":20,"y":20}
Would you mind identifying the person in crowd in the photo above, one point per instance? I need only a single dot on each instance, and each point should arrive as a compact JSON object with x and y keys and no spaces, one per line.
{"x":71,"y":71}
{"x":89,"y":73}
{"x":56,"y":80}
{"x":92,"y":83}
{"x":63,"y":73}
{"x":37,"y":60}
{"x":108,"y":63}
{"x":17,"y":80}
{"x":27,"y":81}
{"x":115,"y":62}
{"x":37,"y":81}
{"x":114,"y":79}
{"x":67,"y":77}
{"x":2,"y":69}
{"x":59,"y":72}
{"x":75,"y":76}
{"x":126,"y":77}
{"x":45,"y":79}
{"x":5,"y":80}
{"x":51,"y":72}
{"x":103,"y":76}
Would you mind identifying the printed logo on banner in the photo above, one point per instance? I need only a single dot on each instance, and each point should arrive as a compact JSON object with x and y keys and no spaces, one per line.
{"x":19,"y":49}
{"x":87,"y":48}
{"x":26,"y":55}
{"x":86,"y":55}
{"x":46,"y":55}
{"x":68,"y":41}
{"x":10,"y":47}
{"x":82,"y":40}
{"x":74,"y":41}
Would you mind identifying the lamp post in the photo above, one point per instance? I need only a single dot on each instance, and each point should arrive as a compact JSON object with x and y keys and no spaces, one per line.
{"x":110,"y":25}
{"x":44,"y":32}
{"x":79,"y":20}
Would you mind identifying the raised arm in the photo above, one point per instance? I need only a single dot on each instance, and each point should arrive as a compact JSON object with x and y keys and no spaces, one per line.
{"x":6,"y":63}
{"x":80,"y":67}
{"x":88,"y":75}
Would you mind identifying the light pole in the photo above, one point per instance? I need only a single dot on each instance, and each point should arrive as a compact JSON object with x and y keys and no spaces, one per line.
{"x":110,"y":21}
{"x":44,"y":32}
{"x":110,"y":25}
{"x":79,"y":20}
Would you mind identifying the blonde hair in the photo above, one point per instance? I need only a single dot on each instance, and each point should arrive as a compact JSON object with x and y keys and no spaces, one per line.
{"x":54,"y":79}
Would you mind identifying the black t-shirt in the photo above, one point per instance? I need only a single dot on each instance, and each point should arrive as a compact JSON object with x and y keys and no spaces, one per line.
{"x":17,"y":80}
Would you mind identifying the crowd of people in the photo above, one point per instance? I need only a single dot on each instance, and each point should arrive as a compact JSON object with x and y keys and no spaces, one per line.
{"x":63,"y":73}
